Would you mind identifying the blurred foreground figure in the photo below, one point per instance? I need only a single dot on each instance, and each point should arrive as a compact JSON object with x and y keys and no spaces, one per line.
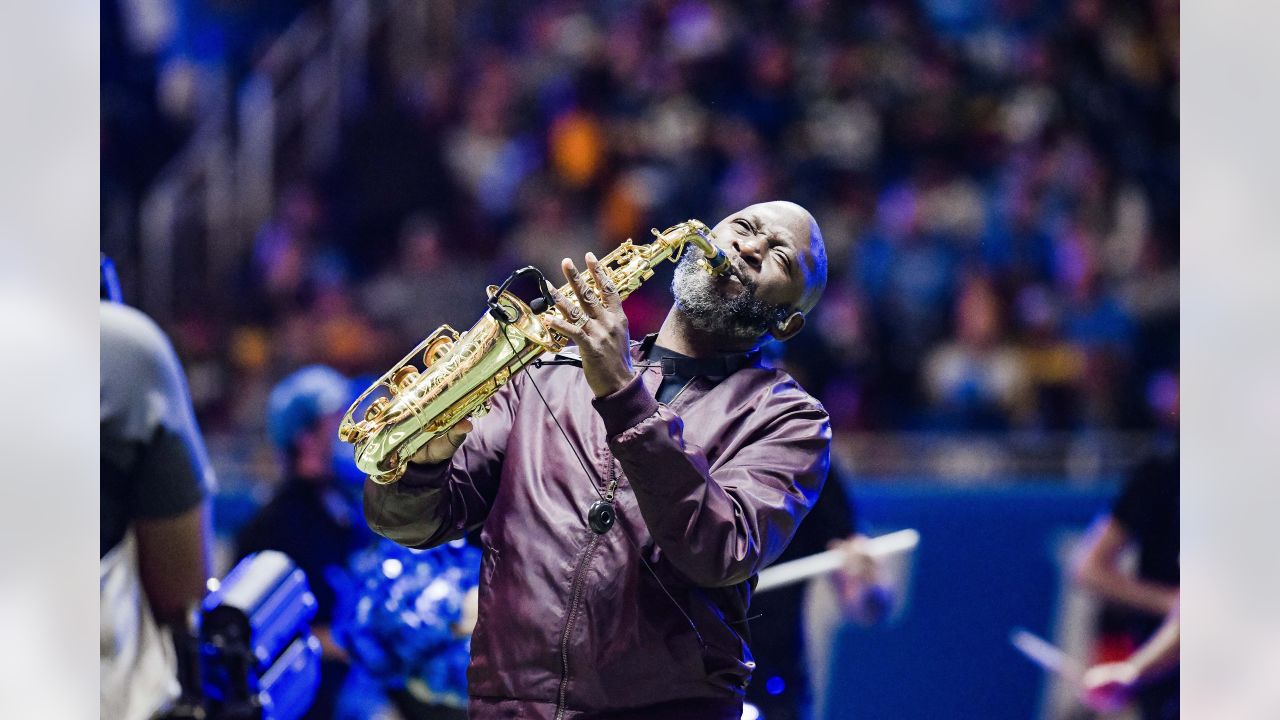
{"x":311,"y":518}
{"x":155,"y":479}
{"x":1146,"y":515}
{"x":625,"y":512}
{"x":787,"y":687}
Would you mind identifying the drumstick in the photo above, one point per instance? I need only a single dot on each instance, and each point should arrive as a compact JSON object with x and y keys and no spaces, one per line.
{"x":1046,"y":655}
{"x":825,"y":562}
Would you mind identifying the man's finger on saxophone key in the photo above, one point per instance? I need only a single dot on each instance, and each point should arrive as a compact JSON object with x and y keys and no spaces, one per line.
{"x":568,"y":310}
{"x":608,"y":292}
{"x":567,"y":329}
{"x":587,"y":297}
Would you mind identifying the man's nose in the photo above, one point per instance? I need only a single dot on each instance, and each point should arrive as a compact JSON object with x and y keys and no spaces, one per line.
{"x":750,"y":249}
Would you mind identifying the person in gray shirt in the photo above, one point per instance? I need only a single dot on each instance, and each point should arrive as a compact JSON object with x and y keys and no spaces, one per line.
{"x":155,"y":481}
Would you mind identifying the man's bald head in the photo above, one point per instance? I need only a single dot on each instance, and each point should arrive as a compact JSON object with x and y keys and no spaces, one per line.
{"x":817,"y":280}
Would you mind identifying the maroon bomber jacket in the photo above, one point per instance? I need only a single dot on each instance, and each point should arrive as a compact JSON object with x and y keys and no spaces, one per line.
{"x":648,"y":619}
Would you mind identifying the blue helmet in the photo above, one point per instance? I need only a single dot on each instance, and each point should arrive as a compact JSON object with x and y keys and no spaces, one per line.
{"x":299,"y":400}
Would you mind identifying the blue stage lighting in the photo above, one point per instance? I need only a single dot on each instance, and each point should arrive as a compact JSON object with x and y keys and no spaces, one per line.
{"x":775,"y":685}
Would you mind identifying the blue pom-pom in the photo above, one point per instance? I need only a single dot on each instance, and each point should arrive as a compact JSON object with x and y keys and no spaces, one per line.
{"x":398,"y":613}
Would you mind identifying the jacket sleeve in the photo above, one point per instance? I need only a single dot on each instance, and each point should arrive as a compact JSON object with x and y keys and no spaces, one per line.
{"x":718,"y":528}
{"x":435,"y":504}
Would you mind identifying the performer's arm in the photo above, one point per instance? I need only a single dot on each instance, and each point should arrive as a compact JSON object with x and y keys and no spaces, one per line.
{"x":1098,"y":569}
{"x":446,"y":490}
{"x":173,"y":562}
{"x":1160,"y":653}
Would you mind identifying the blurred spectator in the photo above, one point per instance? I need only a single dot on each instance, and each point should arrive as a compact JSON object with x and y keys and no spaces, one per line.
{"x":977,"y":380}
{"x":291,"y":261}
{"x":425,"y":287}
{"x":313,"y":518}
{"x":908,"y":275}
{"x":550,"y":232}
{"x":1055,"y":367}
{"x":488,"y":152}
{"x":391,"y":166}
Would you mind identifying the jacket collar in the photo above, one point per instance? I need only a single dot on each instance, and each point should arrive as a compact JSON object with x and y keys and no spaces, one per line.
{"x":720,"y":366}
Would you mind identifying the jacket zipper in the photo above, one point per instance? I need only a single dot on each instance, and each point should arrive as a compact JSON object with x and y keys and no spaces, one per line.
{"x":577,"y":586}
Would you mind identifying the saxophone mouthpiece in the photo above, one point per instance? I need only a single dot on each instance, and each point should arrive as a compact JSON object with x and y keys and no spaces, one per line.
{"x":717,"y":262}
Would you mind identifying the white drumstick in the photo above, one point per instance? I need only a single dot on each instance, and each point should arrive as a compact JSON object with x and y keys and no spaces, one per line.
{"x":825,"y":562}
{"x":1045,"y":654}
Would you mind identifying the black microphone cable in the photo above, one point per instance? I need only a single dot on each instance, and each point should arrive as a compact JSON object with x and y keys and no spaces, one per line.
{"x":503,"y":321}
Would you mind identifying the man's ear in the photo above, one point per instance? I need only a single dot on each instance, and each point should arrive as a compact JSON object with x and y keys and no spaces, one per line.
{"x":784,"y":330}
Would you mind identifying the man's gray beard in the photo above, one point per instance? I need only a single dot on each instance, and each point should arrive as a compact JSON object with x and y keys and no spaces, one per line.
{"x":744,"y":317}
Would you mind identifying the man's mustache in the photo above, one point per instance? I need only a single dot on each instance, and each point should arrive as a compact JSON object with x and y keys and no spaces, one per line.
{"x":738,"y":269}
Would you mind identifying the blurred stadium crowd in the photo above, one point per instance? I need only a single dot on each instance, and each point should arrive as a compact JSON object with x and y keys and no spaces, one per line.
{"x":997,"y":182}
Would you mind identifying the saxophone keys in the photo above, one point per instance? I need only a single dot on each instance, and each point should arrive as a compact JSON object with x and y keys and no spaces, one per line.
{"x":376,"y":408}
{"x":437,"y":349}
{"x":348,"y":432}
{"x":404,"y":377}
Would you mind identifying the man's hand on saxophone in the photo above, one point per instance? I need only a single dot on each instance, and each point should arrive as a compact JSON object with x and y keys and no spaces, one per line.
{"x":604,"y":339}
{"x":442,"y":448}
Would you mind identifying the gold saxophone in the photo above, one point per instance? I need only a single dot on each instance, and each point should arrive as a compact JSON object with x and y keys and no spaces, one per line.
{"x":407,"y":407}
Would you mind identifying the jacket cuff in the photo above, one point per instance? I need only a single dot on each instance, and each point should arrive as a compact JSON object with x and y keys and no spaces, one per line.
{"x":624,"y":409}
{"x":419,"y":476}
